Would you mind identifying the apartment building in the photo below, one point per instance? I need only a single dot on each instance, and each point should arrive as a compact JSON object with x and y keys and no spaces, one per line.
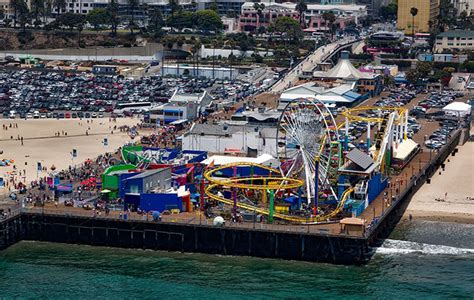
{"x":455,"y":40}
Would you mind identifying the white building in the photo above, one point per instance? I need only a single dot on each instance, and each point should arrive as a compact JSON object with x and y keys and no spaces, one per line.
{"x":225,"y":138}
{"x":180,"y":107}
{"x":199,"y":71}
{"x":463,"y":5}
{"x":211,"y":52}
{"x":455,"y":40}
{"x":264,"y":159}
{"x":340,"y":95}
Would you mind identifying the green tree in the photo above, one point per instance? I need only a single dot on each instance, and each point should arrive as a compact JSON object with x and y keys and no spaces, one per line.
{"x":422,"y":70}
{"x":38,"y":8}
{"x":132,"y":7}
{"x":60,"y":6}
{"x":24,"y":15}
{"x":259,"y":7}
{"x":389,"y":11}
{"x":174,"y":6}
{"x":195,"y":51}
{"x":301,"y":7}
{"x":98,"y":17}
{"x":329,"y":18}
{"x":288,"y":27}
{"x":466,"y":22}
{"x":156,"y":20}
{"x":113,"y":8}
{"x":19,"y":7}
{"x":181,"y":19}
{"x":71,"y":20}
{"x":208,"y":20}
{"x":214,"y":6}
{"x":413,"y":13}
{"x":412,"y":76}
{"x":447,"y":15}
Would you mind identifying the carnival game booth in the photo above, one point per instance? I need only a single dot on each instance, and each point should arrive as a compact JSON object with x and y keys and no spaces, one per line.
{"x":361,"y":172}
{"x":112,"y":177}
{"x":153,"y":190}
{"x":172,"y":200}
{"x":403,"y":153}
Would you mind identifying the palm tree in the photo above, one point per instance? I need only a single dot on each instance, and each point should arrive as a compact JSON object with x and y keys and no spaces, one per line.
{"x":132,"y":6}
{"x":195,"y":51}
{"x":48,"y":7}
{"x":17,"y":6}
{"x":330,"y":18}
{"x":259,"y":7}
{"x":301,"y":7}
{"x":37,"y":7}
{"x":112,"y":8}
{"x":60,"y":6}
{"x":413,"y":12}
{"x":174,"y":6}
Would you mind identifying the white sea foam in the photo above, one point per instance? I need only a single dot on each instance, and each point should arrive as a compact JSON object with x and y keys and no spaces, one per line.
{"x":405,"y":247}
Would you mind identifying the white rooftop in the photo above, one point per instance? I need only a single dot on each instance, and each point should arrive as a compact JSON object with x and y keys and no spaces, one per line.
{"x":264,"y":159}
{"x":345,"y":70}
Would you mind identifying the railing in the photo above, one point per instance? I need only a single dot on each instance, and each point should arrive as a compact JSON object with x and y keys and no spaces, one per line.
{"x":416,"y":180}
{"x":326,"y":228}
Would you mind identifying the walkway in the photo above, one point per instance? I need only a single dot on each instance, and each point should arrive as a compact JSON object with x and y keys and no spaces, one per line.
{"x":318,"y":56}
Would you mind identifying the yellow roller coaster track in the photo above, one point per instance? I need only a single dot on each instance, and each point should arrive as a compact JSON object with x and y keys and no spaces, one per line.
{"x":269,"y":183}
{"x":350,"y":113}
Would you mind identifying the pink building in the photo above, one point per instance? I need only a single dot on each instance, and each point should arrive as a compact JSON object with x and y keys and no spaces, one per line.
{"x":250,"y":20}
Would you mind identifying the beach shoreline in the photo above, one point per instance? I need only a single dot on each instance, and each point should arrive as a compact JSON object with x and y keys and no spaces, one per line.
{"x":462,"y":218}
{"x":51,"y":142}
{"x":450,"y":194}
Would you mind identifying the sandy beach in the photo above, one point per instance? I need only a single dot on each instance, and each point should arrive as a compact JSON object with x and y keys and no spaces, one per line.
{"x":41,"y":145}
{"x":455,"y":188}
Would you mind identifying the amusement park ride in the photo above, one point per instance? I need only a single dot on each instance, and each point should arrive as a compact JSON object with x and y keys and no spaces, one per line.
{"x":322,"y":176}
{"x":321,"y":171}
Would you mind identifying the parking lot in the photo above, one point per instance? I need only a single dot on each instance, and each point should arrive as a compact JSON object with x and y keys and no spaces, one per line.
{"x":50,"y":94}
{"x":425,"y":124}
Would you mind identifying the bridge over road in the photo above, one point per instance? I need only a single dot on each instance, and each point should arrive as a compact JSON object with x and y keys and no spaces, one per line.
{"x":320,"y":55}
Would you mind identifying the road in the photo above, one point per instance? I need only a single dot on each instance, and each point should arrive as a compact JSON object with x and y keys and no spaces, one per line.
{"x":316,"y":57}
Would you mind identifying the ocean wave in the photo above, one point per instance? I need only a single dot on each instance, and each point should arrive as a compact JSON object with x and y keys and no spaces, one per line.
{"x":395,"y":247}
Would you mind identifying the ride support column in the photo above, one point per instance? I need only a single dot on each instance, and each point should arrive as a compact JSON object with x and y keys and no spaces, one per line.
{"x":316,"y":189}
{"x":272,"y":204}
{"x":234,"y":194}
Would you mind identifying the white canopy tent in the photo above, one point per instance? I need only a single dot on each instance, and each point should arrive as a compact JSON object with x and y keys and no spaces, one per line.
{"x":459,"y":109}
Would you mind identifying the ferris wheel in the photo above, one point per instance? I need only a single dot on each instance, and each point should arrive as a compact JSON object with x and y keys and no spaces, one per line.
{"x":307,"y":142}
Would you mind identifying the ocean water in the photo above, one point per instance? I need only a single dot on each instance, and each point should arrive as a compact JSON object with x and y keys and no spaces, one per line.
{"x":421,"y":260}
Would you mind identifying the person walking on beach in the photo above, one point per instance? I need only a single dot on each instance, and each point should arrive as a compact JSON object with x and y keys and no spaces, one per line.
{"x":22,"y":141}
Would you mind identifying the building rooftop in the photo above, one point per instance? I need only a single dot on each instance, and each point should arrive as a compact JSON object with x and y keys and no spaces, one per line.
{"x":264,"y":159}
{"x":345,"y":70}
{"x":457,"y":33}
{"x":271,"y":5}
{"x":183,"y":97}
{"x":227,"y":129}
{"x":147,"y":173}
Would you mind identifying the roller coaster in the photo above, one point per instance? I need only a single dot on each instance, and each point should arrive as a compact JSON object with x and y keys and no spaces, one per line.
{"x":264,"y":184}
{"x":311,"y":153}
